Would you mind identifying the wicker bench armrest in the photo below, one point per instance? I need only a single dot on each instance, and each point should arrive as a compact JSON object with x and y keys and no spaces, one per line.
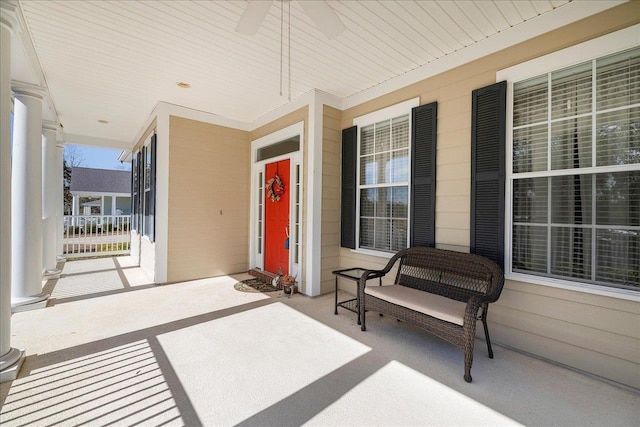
{"x":370,"y":274}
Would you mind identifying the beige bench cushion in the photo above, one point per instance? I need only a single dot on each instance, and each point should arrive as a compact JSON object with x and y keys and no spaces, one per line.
{"x":433,"y":305}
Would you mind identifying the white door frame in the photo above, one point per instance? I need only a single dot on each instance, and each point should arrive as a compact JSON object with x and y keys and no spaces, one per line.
{"x":256,"y":254}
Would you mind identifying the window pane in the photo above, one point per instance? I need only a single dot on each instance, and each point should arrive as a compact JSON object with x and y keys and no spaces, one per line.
{"x":571,"y":91}
{"x":400,"y":132}
{"x":367,"y":233}
{"x":530,"y":200}
{"x":618,"y":257}
{"x":571,"y":252}
{"x":400,"y":199}
{"x":366,"y":140}
{"x":146,"y":213}
{"x":618,"y":198}
{"x":529,"y":248}
{"x":400,"y":166}
{"x":147,"y":171}
{"x":383,"y":230}
{"x":399,"y":234}
{"x":383,"y":136}
{"x":530,"y":99}
{"x":571,"y":199}
{"x":618,"y":80}
{"x":383,"y":168}
{"x":367,"y":170}
{"x":367,"y":202}
{"x":279,"y":148}
{"x":618,"y":137}
{"x":383,"y":203}
{"x":571,"y":143}
{"x":530,"y":149}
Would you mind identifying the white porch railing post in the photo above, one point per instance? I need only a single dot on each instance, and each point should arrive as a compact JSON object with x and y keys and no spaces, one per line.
{"x":75,"y":208}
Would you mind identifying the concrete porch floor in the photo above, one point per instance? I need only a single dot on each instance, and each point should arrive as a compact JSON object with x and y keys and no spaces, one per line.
{"x":113,"y":349}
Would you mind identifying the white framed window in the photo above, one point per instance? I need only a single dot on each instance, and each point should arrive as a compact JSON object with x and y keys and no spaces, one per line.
{"x":573,"y":175}
{"x":383,"y":178}
{"x":143,"y":189}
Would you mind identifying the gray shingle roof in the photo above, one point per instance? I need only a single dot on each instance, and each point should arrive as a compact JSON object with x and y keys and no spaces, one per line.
{"x":100,"y":180}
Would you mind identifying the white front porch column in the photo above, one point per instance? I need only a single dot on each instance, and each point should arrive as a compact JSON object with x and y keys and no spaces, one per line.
{"x":26,"y":200}
{"x":113,"y":205}
{"x":49,"y":199}
{"x":10,"y":358}
{"x":75,"y":208}
{"x":59,"y":200}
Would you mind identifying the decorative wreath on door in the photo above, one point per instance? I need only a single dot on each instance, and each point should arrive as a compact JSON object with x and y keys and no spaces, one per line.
{"x":275,"y":188}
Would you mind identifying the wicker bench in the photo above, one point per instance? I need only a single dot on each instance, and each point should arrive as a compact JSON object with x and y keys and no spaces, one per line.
{"x":441,"y":291}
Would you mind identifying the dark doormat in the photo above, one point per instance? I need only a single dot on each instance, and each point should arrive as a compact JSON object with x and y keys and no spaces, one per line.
{"x":254,"y":285}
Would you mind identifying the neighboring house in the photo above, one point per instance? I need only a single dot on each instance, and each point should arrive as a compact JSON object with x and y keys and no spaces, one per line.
{"x":111,"y":188}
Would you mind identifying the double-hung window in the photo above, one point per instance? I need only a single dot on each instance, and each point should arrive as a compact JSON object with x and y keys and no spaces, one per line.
{"x":575,"y":173}
{"x":383,"y":184}
{"x":383,"y":178}
{"x":388,"y":179}
{"x":144,"y":189}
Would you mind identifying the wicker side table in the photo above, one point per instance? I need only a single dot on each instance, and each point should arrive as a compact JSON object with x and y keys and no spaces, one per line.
{"x":354,"y":274}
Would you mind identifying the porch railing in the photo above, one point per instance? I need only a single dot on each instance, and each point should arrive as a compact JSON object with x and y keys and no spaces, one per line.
{"x":96,"y":235}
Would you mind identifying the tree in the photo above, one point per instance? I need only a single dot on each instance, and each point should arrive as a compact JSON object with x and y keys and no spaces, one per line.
{"x":72,"y":158}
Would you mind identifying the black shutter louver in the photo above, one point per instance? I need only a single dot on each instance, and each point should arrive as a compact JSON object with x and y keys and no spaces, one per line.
{"x":488,"y":138}
{"x":423,"y":175}
{"x":348,"y":200}
{"x":152,"y":191}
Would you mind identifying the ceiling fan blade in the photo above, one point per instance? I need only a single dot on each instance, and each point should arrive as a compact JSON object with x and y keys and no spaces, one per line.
{"x":324,"y":17}
{"x":252,"y":17}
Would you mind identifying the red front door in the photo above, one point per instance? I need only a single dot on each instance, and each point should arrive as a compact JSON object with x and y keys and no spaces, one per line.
{"x":276,"y":213}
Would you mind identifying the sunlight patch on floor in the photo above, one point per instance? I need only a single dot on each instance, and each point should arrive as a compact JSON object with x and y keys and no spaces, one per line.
{"x":92,"y":319}
{"x":93,"y":276}
{"x":123,"y":385}
{"x":399,"y":395}
{"x":234,"y":367}
{"x":77,"y":285}
{"x":87,"y":266}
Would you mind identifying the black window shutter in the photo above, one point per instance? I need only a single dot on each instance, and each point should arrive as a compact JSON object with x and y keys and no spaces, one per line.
{"x":423,"y":175}
{"x":140,"y":189}
{"x":488,"y":133}
{"x":348,"y":207}
{"x":152,"y":191}
{"x":134,"y":190}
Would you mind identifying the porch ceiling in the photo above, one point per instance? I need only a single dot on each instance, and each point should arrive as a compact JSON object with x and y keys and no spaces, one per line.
{"x":114,"y":60}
